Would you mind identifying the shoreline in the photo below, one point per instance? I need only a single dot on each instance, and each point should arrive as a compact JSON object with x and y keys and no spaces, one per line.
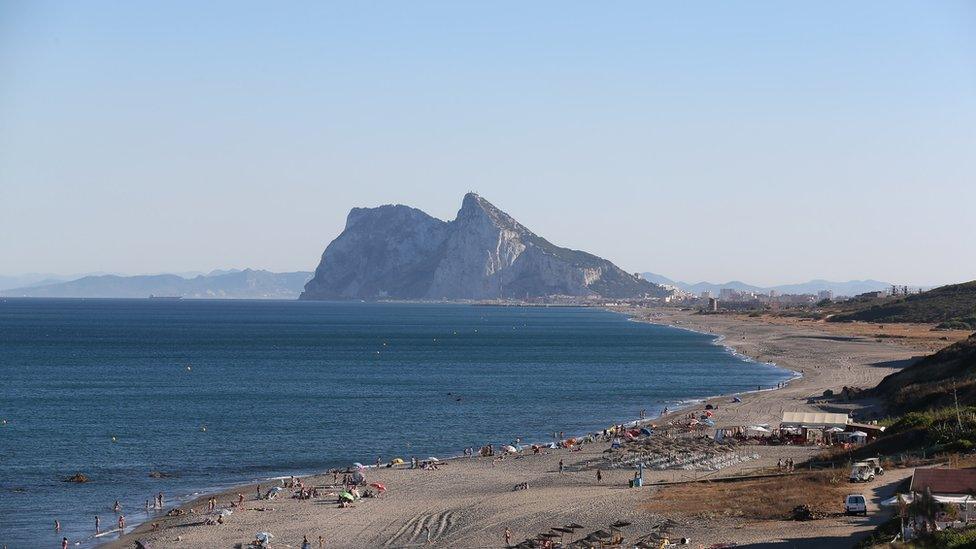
{"x":674,"y":410}
{"x":472,"y":476}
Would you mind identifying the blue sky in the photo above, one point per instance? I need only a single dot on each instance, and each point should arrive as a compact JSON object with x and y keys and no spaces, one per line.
{"x":747,"y":140}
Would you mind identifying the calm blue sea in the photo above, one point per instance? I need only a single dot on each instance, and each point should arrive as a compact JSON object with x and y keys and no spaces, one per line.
{"x":295,"y":387}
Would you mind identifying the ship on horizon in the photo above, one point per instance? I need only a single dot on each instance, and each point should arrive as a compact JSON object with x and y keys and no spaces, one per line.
{"x":166,"y":297}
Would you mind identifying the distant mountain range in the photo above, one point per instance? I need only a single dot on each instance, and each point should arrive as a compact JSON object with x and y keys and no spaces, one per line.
{"x":398,"y":252}
{"x":849,"y":288}
{"x":232,"y":284}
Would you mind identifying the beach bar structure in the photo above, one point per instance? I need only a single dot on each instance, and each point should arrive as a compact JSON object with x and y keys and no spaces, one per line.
{"x":813,"y":425}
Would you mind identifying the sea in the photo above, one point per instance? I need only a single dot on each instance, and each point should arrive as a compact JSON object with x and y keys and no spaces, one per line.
{"x":213,"y":393}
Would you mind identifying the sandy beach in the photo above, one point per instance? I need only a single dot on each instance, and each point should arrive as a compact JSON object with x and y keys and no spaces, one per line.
{"x":469,"y":502}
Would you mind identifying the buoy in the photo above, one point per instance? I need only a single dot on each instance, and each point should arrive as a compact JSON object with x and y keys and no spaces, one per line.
{"x":188,"y":368}
{"x":114,"y":439}
{"x":203,"y":428}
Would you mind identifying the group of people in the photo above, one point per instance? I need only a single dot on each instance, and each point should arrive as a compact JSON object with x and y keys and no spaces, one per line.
{"x":785,"y":465}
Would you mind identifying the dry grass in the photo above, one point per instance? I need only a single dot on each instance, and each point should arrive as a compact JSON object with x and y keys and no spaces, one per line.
{"x":771,"y":498}
{"x":916,"y":336}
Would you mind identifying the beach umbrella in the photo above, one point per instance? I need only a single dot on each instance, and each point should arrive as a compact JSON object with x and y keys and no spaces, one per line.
{"x":358,"y":465}
{"x":397,"y":461}
{"x":432,"y":459}
{"x":379,"y":486}
{"x":835,"y":430}
{"x":509,"y":449}
{"x":264,"y":537}
{"x":347,"y":496}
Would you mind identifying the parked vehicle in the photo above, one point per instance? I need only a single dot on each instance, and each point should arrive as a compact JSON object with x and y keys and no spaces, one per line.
{"x":855,"y":504}
{"x":862,"y":471}
{"x":876,"y":463}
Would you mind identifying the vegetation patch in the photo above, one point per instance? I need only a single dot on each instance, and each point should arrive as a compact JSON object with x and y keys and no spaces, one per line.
{"x":822,"y":492}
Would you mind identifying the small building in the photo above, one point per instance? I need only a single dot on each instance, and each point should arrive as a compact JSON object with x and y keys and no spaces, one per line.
{"x":944,"y":482}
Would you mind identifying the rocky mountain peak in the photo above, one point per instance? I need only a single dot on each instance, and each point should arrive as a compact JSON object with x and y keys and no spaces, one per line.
{"x":400,"y":252}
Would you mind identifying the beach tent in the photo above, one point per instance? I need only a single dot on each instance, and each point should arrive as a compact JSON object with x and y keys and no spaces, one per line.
{"x":859,"y":437}
{"x":757,"y":430}
{"x":432,"y":459}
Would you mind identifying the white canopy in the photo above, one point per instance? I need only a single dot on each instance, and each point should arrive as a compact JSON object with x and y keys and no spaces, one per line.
{"x":758,"y":429}
{"x":908,"y":498}
{"x":814,"y":418}
{"x":835,"y":430}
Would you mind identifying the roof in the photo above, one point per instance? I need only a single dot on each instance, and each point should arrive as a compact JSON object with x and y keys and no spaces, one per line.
{"x":814,"y":418}
{"x":944,"y":481}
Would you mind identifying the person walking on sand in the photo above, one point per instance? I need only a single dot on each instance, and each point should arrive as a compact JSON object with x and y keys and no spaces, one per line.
{"x":240,"y":499}
{"x":561,"y":467}
{"x":321,"y":542}
{"x":599,"y":476}
{"x":508,"y":537}
{"x":305,"y":543}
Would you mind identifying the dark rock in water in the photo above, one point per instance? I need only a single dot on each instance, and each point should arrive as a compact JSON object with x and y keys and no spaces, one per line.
{"x":398,"y":252}
{"x":159,"y":474}
{"x":77,"y":477}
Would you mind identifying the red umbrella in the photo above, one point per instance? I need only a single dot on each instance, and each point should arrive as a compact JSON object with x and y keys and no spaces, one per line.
{"x":378,"y":486}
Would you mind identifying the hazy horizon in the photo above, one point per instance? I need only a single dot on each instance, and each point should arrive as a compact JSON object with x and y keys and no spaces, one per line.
{"x":758,"y":142}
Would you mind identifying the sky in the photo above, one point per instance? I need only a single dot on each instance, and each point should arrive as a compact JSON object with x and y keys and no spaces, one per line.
{"x":756,"y":141}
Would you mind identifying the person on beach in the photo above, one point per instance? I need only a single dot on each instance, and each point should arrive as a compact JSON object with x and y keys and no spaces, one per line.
{"x":259,"y":491}
{"x":57,"y":526}
{"x":240,"y":499}
{"x":599,"y":476}
{"x":97,"y":524}
{"x":121,"y":524}
{"x":508,"y":537}
{"x":160,"y":500}
{"x":560,"y":467}
{"x":64,"y":543}
{"x":147,"y":506}
{"x":305,"y":543}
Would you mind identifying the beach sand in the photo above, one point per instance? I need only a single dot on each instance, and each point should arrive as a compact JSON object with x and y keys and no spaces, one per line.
{"x":468,"y":502}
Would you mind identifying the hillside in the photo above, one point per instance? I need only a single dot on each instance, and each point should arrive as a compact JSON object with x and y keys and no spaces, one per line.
{"x":929,"y":382}
{"x":952,"y":306}
{"x":398,"y":252}
{"x":246,"y":284}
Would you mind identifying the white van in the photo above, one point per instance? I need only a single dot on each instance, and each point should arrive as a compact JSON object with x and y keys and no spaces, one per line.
{"x":855,"y":504}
